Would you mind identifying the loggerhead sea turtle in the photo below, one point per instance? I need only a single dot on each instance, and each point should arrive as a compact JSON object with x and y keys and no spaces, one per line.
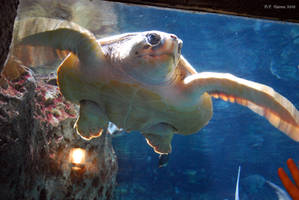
{"x":140,"y":81}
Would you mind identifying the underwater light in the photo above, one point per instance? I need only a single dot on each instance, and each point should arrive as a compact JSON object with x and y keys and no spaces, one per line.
{"x":77,"y":156}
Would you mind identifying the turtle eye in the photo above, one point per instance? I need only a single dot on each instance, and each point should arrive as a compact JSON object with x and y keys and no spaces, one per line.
{"x":153,"y":39}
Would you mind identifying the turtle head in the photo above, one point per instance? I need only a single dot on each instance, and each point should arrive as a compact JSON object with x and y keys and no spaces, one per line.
{"x":152,"y":56}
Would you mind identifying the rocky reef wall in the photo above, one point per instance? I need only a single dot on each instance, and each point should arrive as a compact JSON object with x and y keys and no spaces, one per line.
{"x":36,"y":140}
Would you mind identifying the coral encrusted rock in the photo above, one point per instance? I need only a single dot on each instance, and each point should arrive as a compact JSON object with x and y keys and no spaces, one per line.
{"x":36,"y":144}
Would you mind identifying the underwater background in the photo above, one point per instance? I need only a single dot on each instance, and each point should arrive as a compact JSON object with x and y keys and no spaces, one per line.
{"x":204,"y":166}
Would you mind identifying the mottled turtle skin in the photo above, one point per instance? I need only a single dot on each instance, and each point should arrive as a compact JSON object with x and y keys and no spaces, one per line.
{"x":141,"y":82}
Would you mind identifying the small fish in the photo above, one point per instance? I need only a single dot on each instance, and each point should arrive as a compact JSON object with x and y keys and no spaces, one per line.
{"x":114,"y":131}
{"x":163,"y":160}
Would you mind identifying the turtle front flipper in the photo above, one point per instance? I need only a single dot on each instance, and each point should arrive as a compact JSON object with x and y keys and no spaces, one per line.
{"x":260,"y":98}
{"x":63,"y":35}
{"x":91,"y":120}
{"x":159,"y":137}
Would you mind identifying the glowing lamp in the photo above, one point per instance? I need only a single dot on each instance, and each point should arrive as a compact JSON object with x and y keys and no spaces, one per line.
{"x":77,"y":158}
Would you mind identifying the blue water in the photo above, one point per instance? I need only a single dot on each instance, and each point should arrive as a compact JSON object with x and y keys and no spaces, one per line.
{"x":204,"y":166}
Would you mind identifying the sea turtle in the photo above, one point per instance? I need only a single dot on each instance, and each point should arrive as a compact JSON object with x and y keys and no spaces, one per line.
{"x":140,"y":81}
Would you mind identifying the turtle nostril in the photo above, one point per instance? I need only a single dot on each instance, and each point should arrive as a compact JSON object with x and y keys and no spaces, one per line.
{"x":173,"y":37}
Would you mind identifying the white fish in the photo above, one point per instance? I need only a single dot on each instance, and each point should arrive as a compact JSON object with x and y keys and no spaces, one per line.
{"x":281,"y":194}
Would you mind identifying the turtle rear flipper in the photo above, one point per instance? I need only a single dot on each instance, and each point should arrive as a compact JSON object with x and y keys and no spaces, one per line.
{"x":260,"y":98}
{"x":160,"y":144}
{"x":159,"y":137}
{"x":91,"y":120}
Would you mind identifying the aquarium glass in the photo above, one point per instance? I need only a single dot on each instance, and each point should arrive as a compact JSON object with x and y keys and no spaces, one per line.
{"x":205,"y":165}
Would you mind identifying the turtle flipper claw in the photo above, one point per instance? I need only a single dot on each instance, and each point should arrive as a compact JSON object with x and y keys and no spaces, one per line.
{"x":91,"y":120}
